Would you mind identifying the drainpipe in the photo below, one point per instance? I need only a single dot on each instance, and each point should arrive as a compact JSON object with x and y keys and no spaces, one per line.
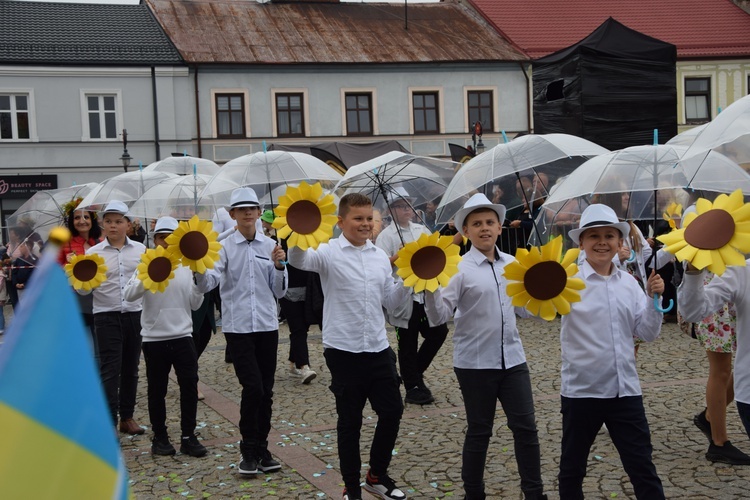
{"x":529,"y":101}
{"x":198,"y":113}
{"x":156,"y":113}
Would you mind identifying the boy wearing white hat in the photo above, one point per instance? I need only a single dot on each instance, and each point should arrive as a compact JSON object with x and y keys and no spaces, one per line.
{"x":488,"y":357}
{"x":251,"y":275}
{"x":167,"y":327}
{"x":599,"y":379}
{"x":409,"y":319}
{"x":117,"y":321}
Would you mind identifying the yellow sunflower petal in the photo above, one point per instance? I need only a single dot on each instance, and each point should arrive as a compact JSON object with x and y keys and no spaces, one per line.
{"x":731,"y":257}
{"x":701,"y":259}
{"x":432,"y":284}
{"x":570,"y":296}
{"x":514,"y":288}
{"x":547,"y":310}
{"x":533,"y":306}
{"x":561,"y":305}
{"x":515,"y":271}
{"x":411,"y":280}
{"x":521,"y":299}
{"x":570,"y":257}
{"x":575,"y":284}
{"x":553,"y":249}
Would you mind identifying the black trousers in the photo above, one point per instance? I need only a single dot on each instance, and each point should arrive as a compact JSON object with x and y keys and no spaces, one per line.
{"x":355,"y":379}
{"x":254,"y":359}
{"x":298,"y":327}
{"x":118,"y":336}
{"x":413,"y":360}
{"x":628,"y":428}
{"x":160,"y":357}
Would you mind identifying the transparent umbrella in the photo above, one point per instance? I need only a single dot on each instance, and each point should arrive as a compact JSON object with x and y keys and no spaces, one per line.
{"x":176,"y":197}
{"x":44,"y":210}
{"x":728,"y":133}
{"x":264,"y":171}
{"x":184,"y":165}
{"x":126,"y":187}
{"x":422,"y":179}
{"x":553,"y":155}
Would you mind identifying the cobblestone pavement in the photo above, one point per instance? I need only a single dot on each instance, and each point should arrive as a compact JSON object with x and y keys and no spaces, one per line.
{"x":427,"y":457}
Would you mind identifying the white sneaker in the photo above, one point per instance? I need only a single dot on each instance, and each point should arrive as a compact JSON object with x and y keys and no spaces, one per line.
{"x":294,"y":371}
{"x":307,"y":375}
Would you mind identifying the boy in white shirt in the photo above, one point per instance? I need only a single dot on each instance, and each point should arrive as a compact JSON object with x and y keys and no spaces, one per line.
{"x":166,"y":328}
{"x":599,"y":379}
{"x":251,"y":275}
{"x":357,"y":284}
{"x":488,"y":357}
{"x":409,"y":318}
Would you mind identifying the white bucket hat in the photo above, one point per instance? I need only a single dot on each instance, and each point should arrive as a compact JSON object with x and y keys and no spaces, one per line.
{"x":476,"y":202}
{"x":598,"y":215}
{"x":165,"y":224}
{"x":116,"y":207}
{"x":243,"y":197}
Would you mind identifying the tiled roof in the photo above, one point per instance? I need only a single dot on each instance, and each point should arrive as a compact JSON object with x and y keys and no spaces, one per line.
{"x":248,"y":32}
{"x":54,"y":33}
{"x":698,"y":28}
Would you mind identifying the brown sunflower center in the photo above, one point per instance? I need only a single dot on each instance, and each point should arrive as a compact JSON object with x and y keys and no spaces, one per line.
{"x":159,"y":269}
{"x":711,"y":230}
{"x":428,"y":262}
{"x":303,"y":217}
{"x":194,"y":245}
{"x":545,"y":280}
{"x":85,"y":270}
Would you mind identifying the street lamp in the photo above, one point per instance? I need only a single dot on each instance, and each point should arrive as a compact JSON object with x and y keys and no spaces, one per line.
{"x":478,"y":146}
{"x":125,"y":158}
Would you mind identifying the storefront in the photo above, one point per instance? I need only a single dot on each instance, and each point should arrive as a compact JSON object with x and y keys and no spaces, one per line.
{"x":16,"y":189}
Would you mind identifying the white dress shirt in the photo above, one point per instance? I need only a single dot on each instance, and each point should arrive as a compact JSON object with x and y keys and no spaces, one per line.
{"x":249,"y":284}
{"x":167,"y":315}
{"x":357,"y":284}
{"x":598,"y":356}
{"x":121,"y":264}
{"x":695,"y":302}
{"x":485,"y":334}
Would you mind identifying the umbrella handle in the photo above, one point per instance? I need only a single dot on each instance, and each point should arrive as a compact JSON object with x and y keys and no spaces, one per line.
{"x":657,"y":305}
{"x":632,"y":256}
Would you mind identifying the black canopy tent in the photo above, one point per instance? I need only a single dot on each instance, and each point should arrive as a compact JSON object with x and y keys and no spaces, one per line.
{"x":614,"y":88}
{"x":342,"y":155}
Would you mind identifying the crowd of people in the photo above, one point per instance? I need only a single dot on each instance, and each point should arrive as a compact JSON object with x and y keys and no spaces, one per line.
{"x":349,"y":287}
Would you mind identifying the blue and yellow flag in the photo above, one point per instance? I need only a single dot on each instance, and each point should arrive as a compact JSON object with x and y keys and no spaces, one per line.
{"x":58,"y":438}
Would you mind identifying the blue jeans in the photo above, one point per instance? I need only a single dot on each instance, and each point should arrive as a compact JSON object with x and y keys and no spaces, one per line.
{"x":254,"y":359}
{"x":481,"y":390}
{"x":357,"y":377}
{"x":628,"y":428}
{"x":118,"y":336}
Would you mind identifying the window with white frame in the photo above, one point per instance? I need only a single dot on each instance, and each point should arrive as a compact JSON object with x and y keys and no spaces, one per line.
{"x":697,"y":100}
{"x":290,"y":118}
{"x":230,"y":115}
{"x":15,"y":117}
{"x":480,"y":108}
{"x":425,"y":109}
{"x":101,"y":114}
{"x":358,"y":113}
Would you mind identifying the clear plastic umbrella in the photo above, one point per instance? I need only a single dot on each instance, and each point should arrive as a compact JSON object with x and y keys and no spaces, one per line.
{"x":264,"y":171}
{"x":184,"y":165}
{"x":555,"y":155}
{"x":728,"y":133}
{"x":176,"y":197}
{"x":44,"y":210}
{"x":126,"y":187}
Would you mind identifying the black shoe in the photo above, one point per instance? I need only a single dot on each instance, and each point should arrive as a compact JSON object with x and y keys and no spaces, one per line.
{"x":383,"y":487}
{"x":704,"y":425}
{"x":417,"y":396}
{"x":249,"y":464}
{"x":266,"y":463}
{"x":424,"y":387}
{"x":351,"y":494}
{"x":190,"y":445}
{"x":162,"y":446}
{"x":727,"y":454}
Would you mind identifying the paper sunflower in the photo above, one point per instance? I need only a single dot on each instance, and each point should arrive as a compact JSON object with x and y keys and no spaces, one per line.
{"x":716,"y":235}
{"x":541,"y":282}
{"x":86,"y":272}
{"x":305,"y":214}
{"x":194,"y":242}
{"x":157,"y":268}
{"x":672,"y":212}
{"x":428,"y":262}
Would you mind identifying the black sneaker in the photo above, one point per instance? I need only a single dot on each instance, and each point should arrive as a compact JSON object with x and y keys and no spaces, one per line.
{"x":352,"y":495}
{"x":162,"y":446}
{"x":383,"y":487}
{"x":190,"y":445}
{"x":249,"y":463}
{"x":424,"y":387}
{"x":266,"y":463}
{"x":727,"y":454}
{"x":418,"y":396}
{"x":704,"y":425}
